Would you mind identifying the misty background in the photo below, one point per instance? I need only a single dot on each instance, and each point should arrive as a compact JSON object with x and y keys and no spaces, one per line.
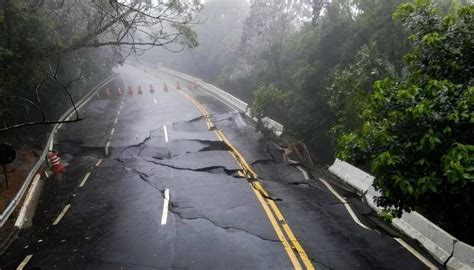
{"x":385,"y":85}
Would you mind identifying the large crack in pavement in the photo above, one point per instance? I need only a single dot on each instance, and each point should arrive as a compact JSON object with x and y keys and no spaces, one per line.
{"x":229,"y":229}
{"x":212,"y":145}
{"x":143,"y":176}
{"x":138,"y":145}
{"x":216,"y":169}
{"x":208,"y":145}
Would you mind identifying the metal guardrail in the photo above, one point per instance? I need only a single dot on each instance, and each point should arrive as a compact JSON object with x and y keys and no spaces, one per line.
{"x":14,"y":203}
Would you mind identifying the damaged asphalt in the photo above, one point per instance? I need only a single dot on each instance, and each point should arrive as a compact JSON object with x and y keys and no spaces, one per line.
{"x":214,"y":219}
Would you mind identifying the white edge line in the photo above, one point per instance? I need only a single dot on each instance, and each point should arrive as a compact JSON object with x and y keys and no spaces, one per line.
{"x":303,"y":171}
{"x":61,"y":215}
{"x":354,"y":216}
{"x":166,"y":133}
{"x":346,"y":205}
{"x":21,"y":217}
{"x":24,"y":262}
{"x":416,"y":254}
{"x":107,"y":148}
{"x":85,"y":179}
{"x":332,"y":190}
{"x":98,"y":162}
{"x":164,"y":216}
{"x":356,"y":219}
{"x":51,"y":144}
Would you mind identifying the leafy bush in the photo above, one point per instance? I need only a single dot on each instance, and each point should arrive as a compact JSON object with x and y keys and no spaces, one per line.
{"x":271,"y":101}
{"x":418,"y":134}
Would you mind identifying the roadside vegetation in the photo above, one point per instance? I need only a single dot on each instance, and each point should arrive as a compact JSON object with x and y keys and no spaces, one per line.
{"x":417,"y":132}
{"x":389,"y":88}
{"x":53,"y":52}
{"x":384,"y":85}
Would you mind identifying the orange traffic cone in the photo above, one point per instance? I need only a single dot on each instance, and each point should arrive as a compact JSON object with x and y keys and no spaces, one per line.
{"x":56,"y":165}
{"x":108,"y":92}
{"x":130,"y":91}
{"x":165,"y":87}
{"x":140,"y":90}
{"x":151,"y":89}
{"x":119,"y":91}
{"x":178,"y":87}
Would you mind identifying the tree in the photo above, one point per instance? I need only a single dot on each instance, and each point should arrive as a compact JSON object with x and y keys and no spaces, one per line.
{"x":268,"y":23}
{"x":53,"y":45}
{"x":219,"y":30}
{"x":418,"y":133}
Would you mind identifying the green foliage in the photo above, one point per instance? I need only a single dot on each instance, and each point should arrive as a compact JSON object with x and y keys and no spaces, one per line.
{"x":271,"y":101}
{"x":31,"y":41}
{"x":418,"y":133}
{"x":329,"y":67}
{"x":449,"y":36}
{"x":386,"y":216}
{"x":347,"y":95}
{"x":190,"y":36}
{"x":48,"y":45}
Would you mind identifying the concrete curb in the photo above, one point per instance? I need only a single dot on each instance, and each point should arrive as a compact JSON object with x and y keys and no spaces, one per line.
{"x":444,"y":248}
{"x":227,"y":99}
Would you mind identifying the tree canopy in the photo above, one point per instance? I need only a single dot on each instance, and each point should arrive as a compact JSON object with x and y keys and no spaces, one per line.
{"x":48,"y":48}
{"x":418,"y":133}
{"x":386,"y":85}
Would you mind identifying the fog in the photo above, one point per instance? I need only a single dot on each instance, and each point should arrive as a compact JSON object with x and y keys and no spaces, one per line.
{"x":386,"y":86}
{"x":219,"y":29}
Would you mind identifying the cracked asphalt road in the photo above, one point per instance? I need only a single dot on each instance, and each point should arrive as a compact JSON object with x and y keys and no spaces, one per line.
{"x":215,"y":220}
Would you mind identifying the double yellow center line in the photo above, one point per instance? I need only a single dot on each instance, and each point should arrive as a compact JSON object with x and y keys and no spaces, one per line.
{"x":293,"y":248}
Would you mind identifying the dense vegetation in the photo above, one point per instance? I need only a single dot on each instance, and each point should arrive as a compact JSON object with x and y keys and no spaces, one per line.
{"x":411,"y":122}
{"x":52,"y":52}
{"x":385,"y":85}
{"x":418,"y":132}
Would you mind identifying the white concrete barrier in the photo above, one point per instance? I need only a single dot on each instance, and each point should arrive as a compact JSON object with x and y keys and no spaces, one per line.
{"x":463,"y":257}
{"x":370,"y":196}
{"x":353,"y":176}
{"x":434,"y":239}
{"x":445,"y":248}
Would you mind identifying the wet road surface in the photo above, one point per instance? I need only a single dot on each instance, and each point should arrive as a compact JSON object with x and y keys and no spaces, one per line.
{"x":167,"y":180}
